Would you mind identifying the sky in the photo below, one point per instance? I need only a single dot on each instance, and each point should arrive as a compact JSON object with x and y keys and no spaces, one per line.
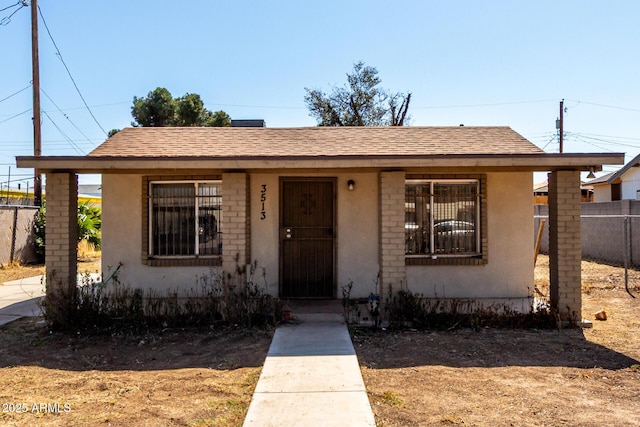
{"x":480,"y":63}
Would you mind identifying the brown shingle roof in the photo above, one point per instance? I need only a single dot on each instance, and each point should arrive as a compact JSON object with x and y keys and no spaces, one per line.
{"x":313,"y":142}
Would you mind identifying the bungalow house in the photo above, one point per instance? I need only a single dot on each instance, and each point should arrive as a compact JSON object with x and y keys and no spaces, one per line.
{"x":443,"y":211}
{"x":621,"y":185}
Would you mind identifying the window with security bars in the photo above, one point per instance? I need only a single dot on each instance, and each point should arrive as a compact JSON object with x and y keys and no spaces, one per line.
{"x":185,"y":219}
{"x":442,"y":217}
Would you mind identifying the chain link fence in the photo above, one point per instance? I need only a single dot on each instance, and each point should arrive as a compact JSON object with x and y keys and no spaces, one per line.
{"x":610,"y":235}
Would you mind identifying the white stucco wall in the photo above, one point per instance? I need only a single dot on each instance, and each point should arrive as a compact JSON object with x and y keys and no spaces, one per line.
{"x":122,"y":240}
{"x":630,"y":183}
{"x":509,"y":271}
{"x":602,"y":193}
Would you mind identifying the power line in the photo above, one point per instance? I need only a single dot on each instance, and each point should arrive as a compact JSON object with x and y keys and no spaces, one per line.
{"x":64,"y":135}
{"x":15,"y":93}
{"x":69,"y":72}
{"x":496,"y":104}
{"x":5,"y":21}
{"x":588,"y":140}
{"x":550,"y":141}
{"x":604,"y":105}
{"x":16,"y":115}
{"x":607,"y":136}
{"x":65,"y":116}
{"x":9,"y":7}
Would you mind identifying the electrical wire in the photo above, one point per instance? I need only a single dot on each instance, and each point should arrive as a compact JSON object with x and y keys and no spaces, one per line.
{"x":16,"y":115}
{"x":14,"y":94}
{"x":589,"y":139}
{"x":608,"y":136}
{"x":64,"y":135}
{"x":550,"y":141}
{"x":13,"y":5}
{"x":64,"y":115}
{"x":7,"y":19}
{"x":497,"y":104}
{"x":604,"y":105}
{"x":69,"y":72}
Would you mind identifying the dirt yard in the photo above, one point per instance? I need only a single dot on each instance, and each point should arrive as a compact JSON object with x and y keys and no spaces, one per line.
{"x":493,"y":377}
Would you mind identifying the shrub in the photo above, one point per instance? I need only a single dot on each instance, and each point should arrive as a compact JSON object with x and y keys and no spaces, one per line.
{"x":113,"y":307}
{"x":89,"y":227}
{"x":407,"y":309}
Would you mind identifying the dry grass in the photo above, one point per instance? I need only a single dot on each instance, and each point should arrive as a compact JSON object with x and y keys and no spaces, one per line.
{"x":492,"y":377}
{"x":168,"y":378}
{"x":88,"y":262}
{"x":87,"y":251}
{"x":495,"y":377}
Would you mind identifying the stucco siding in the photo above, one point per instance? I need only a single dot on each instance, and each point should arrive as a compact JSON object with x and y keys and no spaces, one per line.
{"x":357,"y":241}
{"x":122,"y":240}
{"x":630,"y":184}
{"x":264,"y":233}
{"x":602,"y":193}
{"x":509,"y":271}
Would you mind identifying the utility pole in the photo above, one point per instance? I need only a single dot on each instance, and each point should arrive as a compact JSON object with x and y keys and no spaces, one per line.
{"x":37,"y":132}
{"x":561,"y":127}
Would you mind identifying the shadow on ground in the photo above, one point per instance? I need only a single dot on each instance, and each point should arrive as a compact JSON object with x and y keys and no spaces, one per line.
{"x":487,"y":348}
{"x":26,"y":343}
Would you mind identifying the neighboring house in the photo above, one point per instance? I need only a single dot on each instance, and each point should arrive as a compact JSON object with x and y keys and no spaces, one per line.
{"x":442,"y":211}
{"x":541,"y":193}
{"x":604,"y":190}
{"x":621,"y":185}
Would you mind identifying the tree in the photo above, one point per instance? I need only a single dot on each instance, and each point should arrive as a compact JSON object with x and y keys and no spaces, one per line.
{"x":190,"y":111}
{"x":361,"y":102}
{"x":159,"y":108}
{"x":218,"y":119}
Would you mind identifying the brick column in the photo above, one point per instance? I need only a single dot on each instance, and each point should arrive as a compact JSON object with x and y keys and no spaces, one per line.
{"x":392,"y":267}
{"x":62,"y":238}
{"x":565,"y":250}
{"x":235,"y":222}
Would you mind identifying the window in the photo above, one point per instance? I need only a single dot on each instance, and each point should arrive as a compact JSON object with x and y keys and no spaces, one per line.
{"x":185,"y":219}
{"x":442,"y":217}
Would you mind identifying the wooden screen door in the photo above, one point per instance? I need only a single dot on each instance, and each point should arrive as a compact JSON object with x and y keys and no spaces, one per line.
{"x":307,"y":238}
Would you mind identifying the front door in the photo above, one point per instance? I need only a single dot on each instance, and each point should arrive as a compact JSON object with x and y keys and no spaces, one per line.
{"x":307,"y":238}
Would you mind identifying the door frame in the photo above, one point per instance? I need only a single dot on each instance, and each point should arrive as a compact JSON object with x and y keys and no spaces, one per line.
{"x":333,"y":180}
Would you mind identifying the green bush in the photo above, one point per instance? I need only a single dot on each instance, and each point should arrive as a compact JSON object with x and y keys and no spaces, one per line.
{"x":89,"y":227}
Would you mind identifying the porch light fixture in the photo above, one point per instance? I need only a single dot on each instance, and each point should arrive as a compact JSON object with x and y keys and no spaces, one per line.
{"x":591,"y":174}
{"x":351,"y":184}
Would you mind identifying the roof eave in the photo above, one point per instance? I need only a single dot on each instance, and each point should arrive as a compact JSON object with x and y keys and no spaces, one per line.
{"x":529,"y":162}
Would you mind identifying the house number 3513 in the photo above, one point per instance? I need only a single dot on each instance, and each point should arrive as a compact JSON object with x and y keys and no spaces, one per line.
{"x":263,"y":198}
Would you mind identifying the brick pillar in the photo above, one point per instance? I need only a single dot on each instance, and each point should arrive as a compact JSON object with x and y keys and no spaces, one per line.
{"x":565,"y":250}
{"x":392,"y":267}
{"x":235,"y":223}
{"x":61,"y":238}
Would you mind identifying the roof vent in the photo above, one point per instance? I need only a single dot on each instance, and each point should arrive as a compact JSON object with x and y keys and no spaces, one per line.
{"x":252,"y":123}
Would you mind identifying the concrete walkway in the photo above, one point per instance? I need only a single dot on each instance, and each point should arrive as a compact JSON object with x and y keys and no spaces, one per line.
{"x":311,"y":377}
{"x":20,"y":298}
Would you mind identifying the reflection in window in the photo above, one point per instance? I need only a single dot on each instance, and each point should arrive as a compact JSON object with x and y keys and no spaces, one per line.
{"x":442,"y":217}
{"x":185,"y":219}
